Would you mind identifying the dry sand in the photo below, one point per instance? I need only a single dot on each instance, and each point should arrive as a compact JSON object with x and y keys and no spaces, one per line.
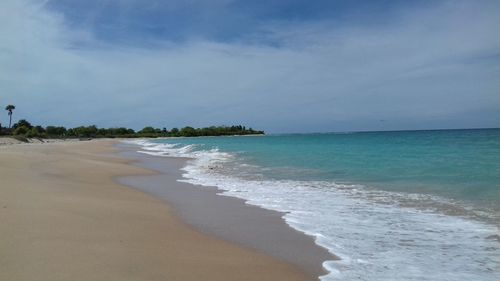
{"x":62,"y":217}
{"x":5,"y":140}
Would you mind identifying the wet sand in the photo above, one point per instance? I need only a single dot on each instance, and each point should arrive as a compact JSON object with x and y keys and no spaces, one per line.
{"x":64,"y":217}
{"x":226,"y":217}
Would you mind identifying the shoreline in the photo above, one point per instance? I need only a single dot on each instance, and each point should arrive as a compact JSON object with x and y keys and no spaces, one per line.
{"x":65,"y":218}
{"x":228,"y":218}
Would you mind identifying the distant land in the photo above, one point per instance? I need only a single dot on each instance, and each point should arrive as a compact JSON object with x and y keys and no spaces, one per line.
{"x":23,"y":130}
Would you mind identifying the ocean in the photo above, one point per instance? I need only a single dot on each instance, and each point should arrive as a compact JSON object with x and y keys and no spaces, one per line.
{"x":406,"y":205}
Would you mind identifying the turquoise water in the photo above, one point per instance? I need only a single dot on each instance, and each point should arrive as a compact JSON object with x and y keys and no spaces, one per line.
{"x":413,"y":205}
{"x":459,"y":164}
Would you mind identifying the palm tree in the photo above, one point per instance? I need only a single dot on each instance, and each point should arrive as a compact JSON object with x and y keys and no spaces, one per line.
{"x":9,"y":108}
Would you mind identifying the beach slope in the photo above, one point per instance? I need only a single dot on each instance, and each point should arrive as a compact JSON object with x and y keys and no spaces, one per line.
{"x":62,"y":217}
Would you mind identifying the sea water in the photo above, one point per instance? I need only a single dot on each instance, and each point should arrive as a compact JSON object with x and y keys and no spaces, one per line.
{"x":409,"y":205}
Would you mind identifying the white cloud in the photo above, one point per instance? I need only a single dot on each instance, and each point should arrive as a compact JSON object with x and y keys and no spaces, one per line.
{"x":427,"y":69}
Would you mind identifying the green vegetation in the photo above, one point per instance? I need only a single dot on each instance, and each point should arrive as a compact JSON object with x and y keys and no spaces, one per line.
{"x":24,"y":129}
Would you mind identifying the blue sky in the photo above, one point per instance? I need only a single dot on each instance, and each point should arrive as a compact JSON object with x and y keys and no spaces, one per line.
{"x":281,"y":66}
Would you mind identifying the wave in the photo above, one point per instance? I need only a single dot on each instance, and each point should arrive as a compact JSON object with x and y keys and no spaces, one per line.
{"x":378,"y":235}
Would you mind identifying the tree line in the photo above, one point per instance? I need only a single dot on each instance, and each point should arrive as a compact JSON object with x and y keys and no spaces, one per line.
{"x":24,"y":129}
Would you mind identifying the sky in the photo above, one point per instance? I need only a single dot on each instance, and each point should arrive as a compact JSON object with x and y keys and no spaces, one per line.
{"x":281,"y":66}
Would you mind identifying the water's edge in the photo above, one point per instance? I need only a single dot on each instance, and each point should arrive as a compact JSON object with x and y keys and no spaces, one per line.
{"x":229,"y":218}
{"x":378,"y":235}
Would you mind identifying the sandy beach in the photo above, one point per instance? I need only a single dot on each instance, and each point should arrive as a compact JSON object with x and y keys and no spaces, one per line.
{"x":228,"y":218}
{"x":63,"y":217}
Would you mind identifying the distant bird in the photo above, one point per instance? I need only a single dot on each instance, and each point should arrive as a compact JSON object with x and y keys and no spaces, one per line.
{"x":9,"y":108}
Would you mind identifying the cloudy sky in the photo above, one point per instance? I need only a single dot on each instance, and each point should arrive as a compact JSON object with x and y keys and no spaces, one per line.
{"x":281,"y":66}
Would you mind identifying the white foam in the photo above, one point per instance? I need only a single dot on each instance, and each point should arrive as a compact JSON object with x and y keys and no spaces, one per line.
{"x":376,"y":237}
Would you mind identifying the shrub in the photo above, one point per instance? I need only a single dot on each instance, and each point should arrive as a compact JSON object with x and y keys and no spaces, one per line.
{"x":22,"y":130}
